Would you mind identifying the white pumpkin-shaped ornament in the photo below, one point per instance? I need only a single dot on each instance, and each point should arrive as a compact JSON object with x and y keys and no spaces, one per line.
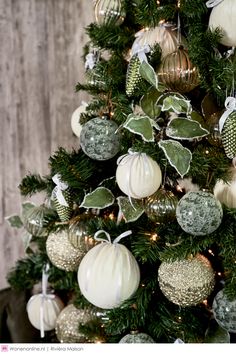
{"x":108,"y":274}
{"x":226,"y":193}
{"x":165,"y":34}
{"x":138,"y":175}
{"x":75,"y":119}
{"x":43,"y":309}
{"x":223,"y":16}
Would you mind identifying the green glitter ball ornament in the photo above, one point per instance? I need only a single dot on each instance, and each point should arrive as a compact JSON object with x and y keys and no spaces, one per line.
{"x":187,"y":282}
{"x":136,"y":337}
{"x":99,"y":139}
{"x":199,"y":213}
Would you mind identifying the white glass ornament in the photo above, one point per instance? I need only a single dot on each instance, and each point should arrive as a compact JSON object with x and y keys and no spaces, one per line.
{"x":165,"y":35}
{"x":223,"y":16}
{"x":138,"y":175}
{"x":226,"y":193}
{"x":108,"y":274}
{"x":75,"y":119}
{"x":49,"y":305}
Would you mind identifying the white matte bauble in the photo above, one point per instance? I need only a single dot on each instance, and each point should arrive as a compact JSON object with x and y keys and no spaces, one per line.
{"x":226,"y":193}
{"x":51,"y":307}
{"x":138,"y":175}
{"x":108,"y":275}
{"x":223,"y":16}
{"x":75,"y":120}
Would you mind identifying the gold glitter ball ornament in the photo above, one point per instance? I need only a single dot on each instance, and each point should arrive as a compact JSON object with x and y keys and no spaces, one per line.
{"x":187,"y":282}
{"x":68,"y":322}
{"x":61,"y":253}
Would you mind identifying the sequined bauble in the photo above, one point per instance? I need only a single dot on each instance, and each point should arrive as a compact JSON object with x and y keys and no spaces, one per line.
{"x":177,"y":72}
{"x":228,"y":136}
{"x":61,"y":252}
{"x":136,"y":338}
{"x":199,"y":213}
{"x":99,"y":139}
{"x":68,"y":321}
{"x":133,"y":77}
{"x":186,"y":282}
{"x":78,"y":233}
{"x":37,"y":219}
{"x":161,"y":206}
{"x":109,"y":12}
{"x":224,"y":311}
{"x":64,"y":211}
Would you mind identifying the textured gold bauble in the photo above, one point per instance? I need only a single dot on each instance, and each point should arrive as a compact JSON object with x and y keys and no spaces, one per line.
{"x":187,"y":282}
{"x":61,"y":253}
{"x":177,"y":72}
{"x":78,"y":233}
{"x":160,"y":207}
{"x":68,"y":321}
{"x":109,"y":12}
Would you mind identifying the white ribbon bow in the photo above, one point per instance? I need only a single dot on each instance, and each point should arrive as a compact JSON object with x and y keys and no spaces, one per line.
{"x":90,"y":61}
{"x":140,"y":51}
{"x":108,"y":240}
{"x":44,"y":296}
{"x":230,"y":104}
{"x":57,"y":191}
{"x":213,"y":3}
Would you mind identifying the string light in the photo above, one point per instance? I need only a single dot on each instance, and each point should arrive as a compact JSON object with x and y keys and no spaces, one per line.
{"x":210,"y":251}
{"x":205,"y":302}
{"x":154,"y":237}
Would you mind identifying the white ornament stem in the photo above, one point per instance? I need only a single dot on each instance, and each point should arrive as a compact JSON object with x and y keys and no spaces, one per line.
{"x":230,"y":105}
{"x":213,"y":3}
{"x":117,"y":239}
{"x":57,"y":191}
{"x":44,"y":296}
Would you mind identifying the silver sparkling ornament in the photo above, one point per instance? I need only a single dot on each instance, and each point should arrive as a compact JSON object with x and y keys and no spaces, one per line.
{"x":37,"y":218}
{"x":187,"y":282}
{"x":199,"y":213}
{"x":136,"y":337}
{"x":224,"y":311}
{"x":68,"y":321}
{"x":161,"y":206}
{"x":78,"y":233}
{"x":61,"y":252}
{"x":99,"y":139}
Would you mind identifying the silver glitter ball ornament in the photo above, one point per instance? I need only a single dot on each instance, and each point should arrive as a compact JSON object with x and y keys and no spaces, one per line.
{"x":187,"y":282}
{"x":61,"y":252}
{"x":136,"y":337}
{"x":68,"y":321}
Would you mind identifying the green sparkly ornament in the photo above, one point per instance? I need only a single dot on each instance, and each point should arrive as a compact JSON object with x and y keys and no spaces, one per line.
{"x":186,"y":282}
{"x":133,"y":77}
{"x":136,"y":337}
{"x":228,"y":135}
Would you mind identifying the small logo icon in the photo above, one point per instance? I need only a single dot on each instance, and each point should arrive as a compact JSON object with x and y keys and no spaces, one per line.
{"x":4,"y":348}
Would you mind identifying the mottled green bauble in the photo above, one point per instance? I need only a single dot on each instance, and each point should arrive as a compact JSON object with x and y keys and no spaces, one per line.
{"x":186,"y":282}
{"x":161,"y":206}
{"x":228,"y":135}
{"x":136,"y":338}
{"x":37,"y":218}
{"x":224,"y":311}
{"x":99,"y":139}
{"x":199,"y":213}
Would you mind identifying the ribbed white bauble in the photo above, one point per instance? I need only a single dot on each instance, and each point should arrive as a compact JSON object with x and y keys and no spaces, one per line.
{"x":108,"y":275}
{"x":51,"y":307}
{"x":138,"y":175}
{"x":226,"y":193}
{"x":75,"y":120}
{"x":223,"y":16}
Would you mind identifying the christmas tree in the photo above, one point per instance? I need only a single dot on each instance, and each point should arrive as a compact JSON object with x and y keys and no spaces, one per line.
{"x":135,"y":242}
